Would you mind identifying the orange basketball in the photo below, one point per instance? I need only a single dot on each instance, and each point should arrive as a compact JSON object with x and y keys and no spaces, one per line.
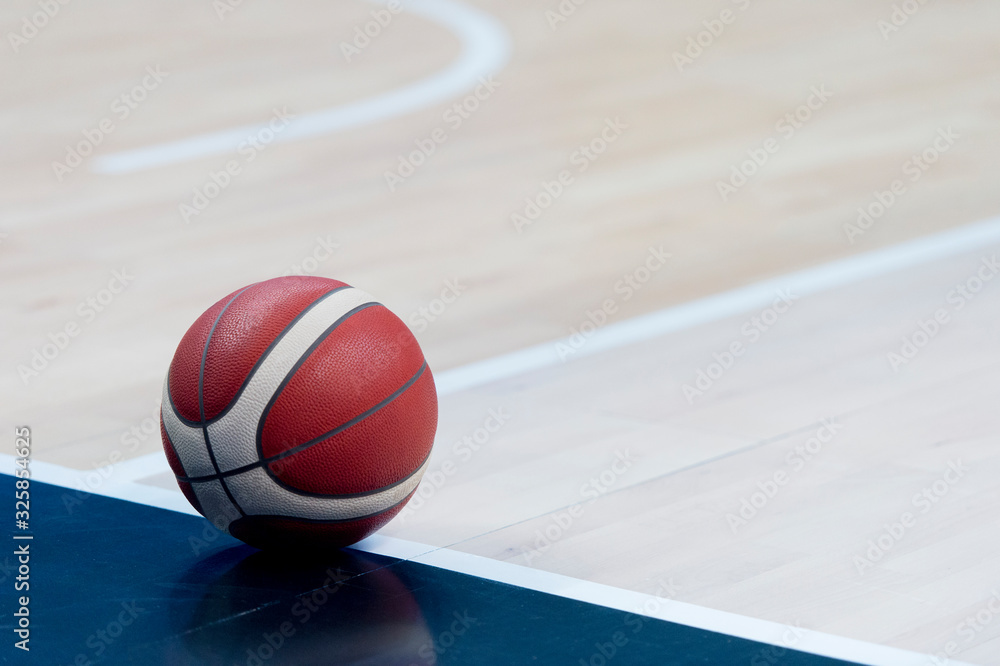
{"x":298,"y":410}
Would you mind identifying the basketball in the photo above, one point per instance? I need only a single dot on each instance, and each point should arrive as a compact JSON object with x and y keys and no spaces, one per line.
{"x":712,"y":305}
{"x":298,"y":411}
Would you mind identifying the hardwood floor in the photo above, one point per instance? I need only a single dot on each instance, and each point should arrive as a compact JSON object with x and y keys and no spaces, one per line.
{"x":590,"y":152}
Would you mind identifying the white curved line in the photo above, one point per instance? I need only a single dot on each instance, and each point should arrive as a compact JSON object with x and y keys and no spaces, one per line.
{"x":485,"y":50}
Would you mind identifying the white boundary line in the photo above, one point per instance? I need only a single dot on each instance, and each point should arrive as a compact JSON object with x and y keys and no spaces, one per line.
{"x":758,"y":295}
{"x":679,"y":317}
{"x":678,"y":612}
{"x":116,"y":486}
{"x":690,"y":615}
{"x":140,"y":467}
{"x":485,"y":50}
{"x":809,"y":281}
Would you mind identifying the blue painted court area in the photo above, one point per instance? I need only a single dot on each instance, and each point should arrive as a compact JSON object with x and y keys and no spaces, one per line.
{"x":113,"y":582}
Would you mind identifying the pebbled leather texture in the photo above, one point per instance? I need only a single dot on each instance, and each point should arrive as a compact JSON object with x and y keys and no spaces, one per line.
{"x":320,"y":410}
{"x":253,"y":318}
{"x":361,"y":365}
{"x":241,"y":421}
